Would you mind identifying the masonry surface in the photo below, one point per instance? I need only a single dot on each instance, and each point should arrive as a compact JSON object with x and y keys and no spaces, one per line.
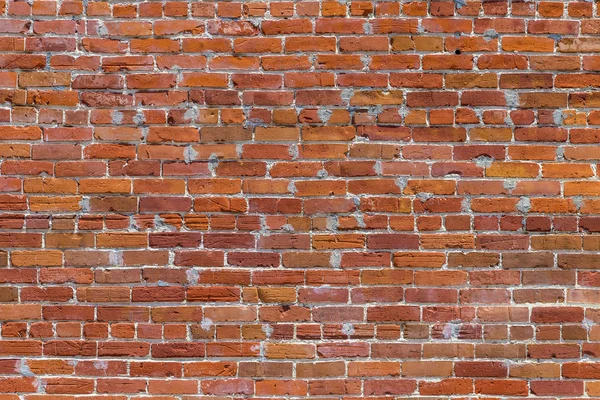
{"x":334,"y":199}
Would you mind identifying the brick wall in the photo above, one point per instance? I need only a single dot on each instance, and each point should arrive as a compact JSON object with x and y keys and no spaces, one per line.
{"x":289,"y":199}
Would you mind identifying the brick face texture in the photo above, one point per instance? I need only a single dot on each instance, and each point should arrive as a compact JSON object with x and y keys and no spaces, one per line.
{"x":290,"y":199}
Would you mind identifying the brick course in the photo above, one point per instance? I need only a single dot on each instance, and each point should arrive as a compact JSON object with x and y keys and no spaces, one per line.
{"x":333,"y":199}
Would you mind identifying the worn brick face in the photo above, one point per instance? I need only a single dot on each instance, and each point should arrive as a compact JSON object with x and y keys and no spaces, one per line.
{"x":284,"y":199}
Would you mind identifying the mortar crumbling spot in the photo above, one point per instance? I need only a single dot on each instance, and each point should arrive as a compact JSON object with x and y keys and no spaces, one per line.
{"x":375,"y":111}
{"x":160,"y":225}
{"x":189,"y":154}
{"x":138,"y":118}
{"x":102,"y":29}
{"x":115,"y":258}
{"x":360,"y":220}
{"x":324,"y":114}
{"x":558,"y":116}
{"x":287,"y":228}
{"x":332,"y":223}
{"x":335,"y":260}
{"x":346,"y":95}
{"x":191,"y":114}
{"x":484,"y":161}
{"x":451,"y":331}
{"x":206,"y":324}
{"x":84,"y":203}
{"x":213,"y":163}
{"x":24,"y":368}
{"x":293,"y":151}
{"x":424,"y":196}
{"x":192,"y":276}
{"x":578,"y":201}
{"x":460,"y":3}
{"x":466,"y":204}
{"x":509,"y":184}
{"x":348,"y":329}
{"x":555,"y":36}
{"x":490,"y":35}
{"x":291,"y":187}
{"x":268,"y":330}
{"x":512,"y":98}
{"x":401,"y":183}
{"x":117,"y":117}
{"x":366,"y":60}
{"x":524,"y":205}
{"x":368,"y":28}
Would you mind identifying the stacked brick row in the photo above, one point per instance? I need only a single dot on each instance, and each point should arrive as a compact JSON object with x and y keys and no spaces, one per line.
{"x":335,"y":199}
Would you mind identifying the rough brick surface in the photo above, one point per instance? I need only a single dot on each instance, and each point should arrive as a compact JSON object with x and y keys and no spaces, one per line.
{"x":288,"y":199}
